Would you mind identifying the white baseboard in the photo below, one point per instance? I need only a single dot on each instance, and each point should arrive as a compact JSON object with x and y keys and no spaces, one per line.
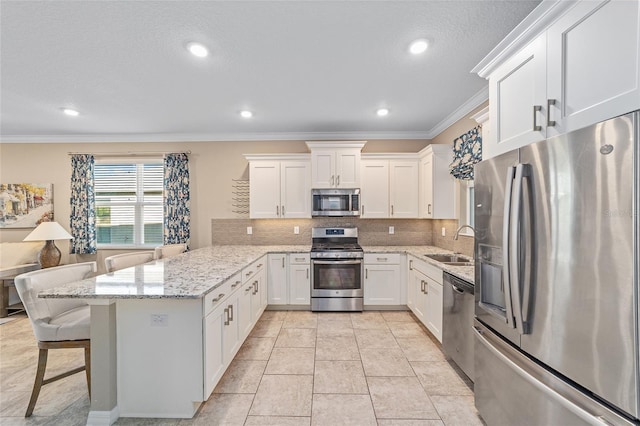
{"x":103,"y":418}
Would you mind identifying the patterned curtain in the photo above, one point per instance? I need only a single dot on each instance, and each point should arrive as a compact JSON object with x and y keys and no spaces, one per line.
{"x":176,"y":199}
{"x":83,"y":205}
{"x":467,"y":151}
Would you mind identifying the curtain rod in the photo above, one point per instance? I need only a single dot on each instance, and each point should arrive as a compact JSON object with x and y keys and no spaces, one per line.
{"x":129,"y":153}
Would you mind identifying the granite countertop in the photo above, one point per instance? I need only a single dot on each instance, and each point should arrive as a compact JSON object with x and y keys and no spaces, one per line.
{"x":193,"y":274}
{"x":189,"y":275}
{"x":467,"y":273}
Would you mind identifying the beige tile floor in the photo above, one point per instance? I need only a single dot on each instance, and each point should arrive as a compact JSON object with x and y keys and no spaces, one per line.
{"x":296,"y":368}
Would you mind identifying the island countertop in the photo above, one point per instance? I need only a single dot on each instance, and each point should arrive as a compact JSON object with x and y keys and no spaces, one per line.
{"x":193,"y":274}
{"x":190,"y":275}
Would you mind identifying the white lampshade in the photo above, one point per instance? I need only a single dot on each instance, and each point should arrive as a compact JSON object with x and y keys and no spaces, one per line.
{"x":48,"y":231}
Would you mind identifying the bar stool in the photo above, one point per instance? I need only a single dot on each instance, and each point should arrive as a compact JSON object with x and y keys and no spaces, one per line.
{"x":56,"y":323}
{"x":121,"y":261}
{"x":169,"y":250}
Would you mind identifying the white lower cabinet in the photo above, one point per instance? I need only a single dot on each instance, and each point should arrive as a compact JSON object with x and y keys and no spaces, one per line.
{"x":299,"y":279}
{"x":382,"y":279}
{"x":277,"y":288}
{"x":425,"y":282}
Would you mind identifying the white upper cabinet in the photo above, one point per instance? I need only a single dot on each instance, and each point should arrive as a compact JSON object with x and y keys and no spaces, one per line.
{"x":335,"y":164}
{"x":279,"y":188}
{"x":437,"y":199}
{"x":389,"y":187}
{"x":581,"y":66}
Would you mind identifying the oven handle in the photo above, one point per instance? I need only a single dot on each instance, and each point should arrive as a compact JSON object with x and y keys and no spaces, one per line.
{"x":333,"y":262}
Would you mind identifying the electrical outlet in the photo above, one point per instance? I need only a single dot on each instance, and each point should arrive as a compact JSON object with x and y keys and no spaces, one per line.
{"x":249,"y":230}
{"x":159,"y":320}
{"x":392,"y":230}
{"x":444,"y":231}
{"x":296,"y":230}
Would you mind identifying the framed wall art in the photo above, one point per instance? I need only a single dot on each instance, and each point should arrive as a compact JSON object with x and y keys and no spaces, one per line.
{"x":25,"y":205}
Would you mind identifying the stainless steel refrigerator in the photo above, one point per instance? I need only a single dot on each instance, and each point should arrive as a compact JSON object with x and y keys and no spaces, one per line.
{"x":557,"y":264}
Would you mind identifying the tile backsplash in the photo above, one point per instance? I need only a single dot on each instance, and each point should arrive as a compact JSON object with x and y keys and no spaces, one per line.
{"x":372,"y":232}
{"x":280,"y":231}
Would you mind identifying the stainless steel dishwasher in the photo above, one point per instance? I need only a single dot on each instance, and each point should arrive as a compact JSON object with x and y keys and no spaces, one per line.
{"x":457,"y":324}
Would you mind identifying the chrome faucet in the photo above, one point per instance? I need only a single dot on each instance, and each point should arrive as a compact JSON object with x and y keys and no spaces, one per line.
{"x":455,"y":237}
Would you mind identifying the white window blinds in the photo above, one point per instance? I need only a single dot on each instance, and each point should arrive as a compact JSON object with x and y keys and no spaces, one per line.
{"x":129,"y":202}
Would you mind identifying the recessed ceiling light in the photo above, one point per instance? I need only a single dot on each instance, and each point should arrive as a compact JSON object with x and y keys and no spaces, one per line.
{"x":197,"y":49}
{"x":246,"y":114}
{"x":418,"y":46}
{"x":382,"y":112}
{"x":70,"y":112}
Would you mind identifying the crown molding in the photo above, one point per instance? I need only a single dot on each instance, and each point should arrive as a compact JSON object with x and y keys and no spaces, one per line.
{"x":534,"y":24}
{"x":460,"y":112}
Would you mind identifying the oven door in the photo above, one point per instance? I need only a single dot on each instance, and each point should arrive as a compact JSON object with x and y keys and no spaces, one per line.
{"x":336,"y":278}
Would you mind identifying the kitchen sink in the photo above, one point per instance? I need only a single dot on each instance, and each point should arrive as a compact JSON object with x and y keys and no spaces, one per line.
{"x":458,"y":263}
{"x":450,"y":259}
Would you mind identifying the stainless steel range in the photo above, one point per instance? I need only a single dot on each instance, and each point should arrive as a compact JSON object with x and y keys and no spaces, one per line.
{"x":337,"y":265}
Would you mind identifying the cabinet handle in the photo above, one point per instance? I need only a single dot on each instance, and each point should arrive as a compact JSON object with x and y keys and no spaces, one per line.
{"x":422,"y":286}
{"x":411,"y":265}
{"x":307,"y":273}
{"x":536,"y":109}
{"x":230,"y":312}
{"x":278,"y":211}
{"x":300,"y":259}
{"x":363,"y":210}
{"x":283,"y":261}
{"x":237,"y":283}
{"x":391,"y":209}
{"x":226,"y":316}
{"x":248,"y":288}
{"x":255,"y":287}
{"x":217,"y":299}
{"x":332,"y":180}
{"x":338,"y":180}
{"x":249,"y":273}
{"x":381,"y":259}
{"x":428,"y":208}
{"x":282,"y":211}
{"x":366,"y":273}
{"x":426,"y":288}
{"x":259,"y":265}
{"x":550,"y":103}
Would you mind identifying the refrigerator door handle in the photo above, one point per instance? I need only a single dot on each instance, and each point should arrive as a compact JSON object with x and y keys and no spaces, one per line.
{"x":506,"y":229}
{"x":515,"y":247}
{"x":589,"y":418}
{"x":528,"y":244}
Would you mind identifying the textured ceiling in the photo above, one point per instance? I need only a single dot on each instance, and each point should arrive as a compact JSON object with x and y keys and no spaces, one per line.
{"x":308,"y":69}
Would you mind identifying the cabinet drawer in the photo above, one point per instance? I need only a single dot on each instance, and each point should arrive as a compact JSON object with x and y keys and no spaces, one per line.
{"x":217,"y":296}
{"x":425,"y":268}
{"x":299,"y":258}
{"x":382,"y":258}
{"x":251,"y":270}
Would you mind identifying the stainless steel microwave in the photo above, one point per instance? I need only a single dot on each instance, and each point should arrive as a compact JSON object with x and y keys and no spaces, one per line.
{"x":335,"y":202}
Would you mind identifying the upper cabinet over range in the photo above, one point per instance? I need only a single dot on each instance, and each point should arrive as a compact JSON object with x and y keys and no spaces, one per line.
{"x":566,"y":66}
{"x":335,"y":164}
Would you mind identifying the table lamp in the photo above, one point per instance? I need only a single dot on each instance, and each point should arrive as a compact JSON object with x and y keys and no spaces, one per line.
{"x":49,"y":231}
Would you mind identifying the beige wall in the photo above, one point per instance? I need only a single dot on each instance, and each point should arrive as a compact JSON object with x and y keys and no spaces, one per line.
{"x":213,"y":165}
{"x":459,"y":127}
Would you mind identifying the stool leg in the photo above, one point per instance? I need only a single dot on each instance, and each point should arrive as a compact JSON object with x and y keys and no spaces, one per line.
{"x":42,"y":365}
{"x":87,"y":367}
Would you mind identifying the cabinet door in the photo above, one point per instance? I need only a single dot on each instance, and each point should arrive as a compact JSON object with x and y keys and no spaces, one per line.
{"x":277,"y":289}
{"x":443,"y":186}
{"x":434,"y":308}
{"x":382,"y":285}
{"x":295,"y":190}
{"x":264,"y":190}
{"x":299,"y":284}
{"x":403,"y":189}
{"x":347,"y":168}
{"x":515,"y":88}
{"x":593,"y":64}
{"x":420,"y":302}
{"x":323,"y":168}
{"x":213,"y":349}
{"x":426,"y":184}
{"x":244,"y":309}
{"x":374,"y":196}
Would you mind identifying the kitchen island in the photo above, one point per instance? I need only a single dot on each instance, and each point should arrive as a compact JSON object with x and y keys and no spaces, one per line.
{"x":163,"y":333}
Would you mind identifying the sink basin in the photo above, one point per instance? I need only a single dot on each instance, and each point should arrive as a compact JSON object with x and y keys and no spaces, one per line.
{"x":449,"y":259}
{"x":458,"y":263}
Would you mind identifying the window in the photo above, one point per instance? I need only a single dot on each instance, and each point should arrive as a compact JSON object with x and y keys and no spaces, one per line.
{"x":466,"y":205}
{"x":129,"y":202}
